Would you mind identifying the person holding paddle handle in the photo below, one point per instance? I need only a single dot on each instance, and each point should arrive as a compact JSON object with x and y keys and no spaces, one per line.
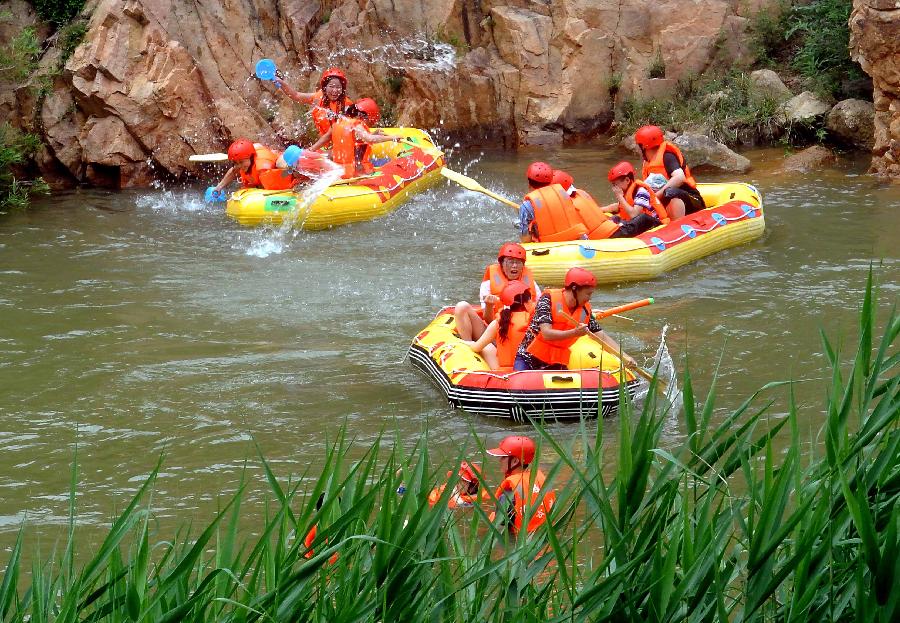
{"x":560,"y":317}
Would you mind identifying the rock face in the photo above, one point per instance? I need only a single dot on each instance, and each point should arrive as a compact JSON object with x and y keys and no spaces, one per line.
{"x":700,"y":150}
{"x":853,"y":122}
{"x":157,"y":80}
{"x":810,"y":159}
{"x":875,"y":45}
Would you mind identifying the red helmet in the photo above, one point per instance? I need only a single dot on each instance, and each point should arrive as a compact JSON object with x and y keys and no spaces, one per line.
{"x":649,"y":136}
{"x":563,"y":179}
{"x":513,"y":250}
{"x":540,"y":172}
{"x":470,"y":472}
{"x":333,"y":72}
{"x":368,"y":106}
{"x":240,"y":149}
{"x":620,"y":170}
{"x":580,"y":277}
{"x":518,"y":446}
{"x":513,"y":289}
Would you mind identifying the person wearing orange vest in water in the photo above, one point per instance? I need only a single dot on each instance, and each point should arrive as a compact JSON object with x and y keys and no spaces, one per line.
{"x":467,"y":492}
{"x":551,"y":332}
{"x":547,"y":213}
{"x":510,"y":266}
{"x":351,"y":138}
{"x":679,"y":195}
{"x":328,"y":103}
{"x":500,"y":340}
{"x":522,"y":495}
{"x":637,"y":208}
{"x":598,"y":223}
{"x":250,"y":160}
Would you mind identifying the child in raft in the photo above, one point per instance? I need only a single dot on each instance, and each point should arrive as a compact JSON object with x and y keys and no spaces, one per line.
{"x":500,"y":340}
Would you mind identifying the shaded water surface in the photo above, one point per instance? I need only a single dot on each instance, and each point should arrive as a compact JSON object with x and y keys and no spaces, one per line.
{"x":137,"y":324}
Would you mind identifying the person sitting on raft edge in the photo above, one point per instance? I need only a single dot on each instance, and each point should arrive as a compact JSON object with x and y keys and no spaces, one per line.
{"x":250,"y":160}
{"x":679,"y":195}
{"x":467,"y":492}
{"x":328,"y":103}
{"x":510,"y":266}
{"x":551,"y":333}
{"x":597,"y":222}
{"x":547,"y":213}
{"x":352,"y":138}
{"x":636,"y":204}
{"x":500,"y":340}
{"x":522,"y":488}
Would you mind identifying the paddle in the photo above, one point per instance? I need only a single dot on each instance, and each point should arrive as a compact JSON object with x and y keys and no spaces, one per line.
{"x":208,"y":158}
{"x":470,"y":184}
{"x":612,"y":311}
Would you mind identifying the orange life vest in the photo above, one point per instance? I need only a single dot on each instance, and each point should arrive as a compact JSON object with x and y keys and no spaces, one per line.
{"x":457,"y":500}
{"x":263,"y":160}
{"x":355,"y":157}
{"x":498,"y":280}
{"x":517,"y":484}
{"x":658,"y":210}
{"x":557,"y":351}
{"x":277,"y":179}
{"x":325,"y":111}
{"x":597,"y":222}
{"x":518,"y":325}
{"x":555,"y":217}
{"x":310,"y":539}
{"x":656,"y":164}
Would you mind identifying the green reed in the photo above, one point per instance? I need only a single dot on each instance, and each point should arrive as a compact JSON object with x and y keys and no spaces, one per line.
{"x":720,"y":528}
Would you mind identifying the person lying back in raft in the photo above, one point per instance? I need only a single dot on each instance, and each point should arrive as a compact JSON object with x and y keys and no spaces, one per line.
{"x":500,"y":340}
{"x":510,"y":266}
{"x":328,"y":103}
{"x":679,"y":195}
{"x":250,"y":160}
{"x":547,"y":213}
{"x":522,"y":490}
{"x":551,"y":333}
{"x":637,"y":206}
{"x":352,"y":138}
{"x":467,"y":492}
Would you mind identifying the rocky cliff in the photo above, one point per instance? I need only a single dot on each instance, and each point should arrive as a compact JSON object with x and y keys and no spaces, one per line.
{"x":875,"y":45}
{"x":157,"y":80}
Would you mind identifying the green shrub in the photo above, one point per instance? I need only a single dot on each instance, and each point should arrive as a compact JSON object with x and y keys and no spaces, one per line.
{"x":657,"y":68}
{"x":70,"y":37}
{"x":18,"y":59}
{"x":767,"y":32}
{"x":15,"y":149}
{"x":57,"y":12}
{"x":823,"y":56}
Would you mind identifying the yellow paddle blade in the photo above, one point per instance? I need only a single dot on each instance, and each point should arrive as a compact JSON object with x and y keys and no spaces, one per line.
{"x":470,"y":184}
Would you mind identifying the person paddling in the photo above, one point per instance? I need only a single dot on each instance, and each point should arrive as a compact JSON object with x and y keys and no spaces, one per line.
{"x":679,"y":195}
{"x":328,"y":102}
{"x":500,"y":340}
{"x":547,"y":213}
{"x":250,"y":160}
{"x":352,"y":138}
{"x":560,"y":318}
{"x":522,"y":490}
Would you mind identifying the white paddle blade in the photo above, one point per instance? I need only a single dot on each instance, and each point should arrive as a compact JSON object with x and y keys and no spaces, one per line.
{"x":208,"y":158}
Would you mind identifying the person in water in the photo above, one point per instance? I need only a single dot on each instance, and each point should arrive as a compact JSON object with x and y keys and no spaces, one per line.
{"x":560,"y":318}
{"x":547,"y":213}
{"x":679,"y":195}
{"x":522,"y":495}
{"x":510,"y":266}
{"x":637,"y":206}
{"x":249,"y":160}
{"x":351,"y":138}
{"x":500,"y":340}
{"x":328,"y":102}
{"x":467,"y":492}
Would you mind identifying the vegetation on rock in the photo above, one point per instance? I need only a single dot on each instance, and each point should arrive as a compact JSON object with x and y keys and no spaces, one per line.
{"x":15,"y":149}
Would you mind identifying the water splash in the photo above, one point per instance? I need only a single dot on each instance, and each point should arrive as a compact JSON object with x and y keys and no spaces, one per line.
{"x":170,"y":201}
{"x":664,"y":368}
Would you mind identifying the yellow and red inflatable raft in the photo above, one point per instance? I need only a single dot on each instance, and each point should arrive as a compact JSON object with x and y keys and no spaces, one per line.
{"x":588,"y":389}
{"x":735,"y":216}
{"x":413,"y":166}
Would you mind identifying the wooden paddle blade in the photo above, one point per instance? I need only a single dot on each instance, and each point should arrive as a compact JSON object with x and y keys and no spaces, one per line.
{"x":470,"y":184}
{"x":208,"y":158}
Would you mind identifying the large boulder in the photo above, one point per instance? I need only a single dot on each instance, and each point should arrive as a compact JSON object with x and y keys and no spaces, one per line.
{"x":699,"y":150}
{"x":810,"y":159}
{"x":767,"y":85}
{"x":805,"y":108}
{"x":853,"y":122}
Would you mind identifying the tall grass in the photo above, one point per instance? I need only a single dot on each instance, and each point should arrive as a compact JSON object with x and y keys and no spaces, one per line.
{"x":722,"y":528}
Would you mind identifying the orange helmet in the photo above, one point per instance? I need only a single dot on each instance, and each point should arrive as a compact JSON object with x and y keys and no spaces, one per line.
{"x":518,"y":446}
{"x":333,"y":72}
{"x":470,"y":472}
{"x":513,"y":289}
{"x":513,"y":250}
{"x":368,"y":106}
{"x":649,"y":136}
{"x":240,"y":149}
{"x":563,"y":179}
{"x":622,"y":169}
{"x":540,"y":172}
{"x":580,"y":277}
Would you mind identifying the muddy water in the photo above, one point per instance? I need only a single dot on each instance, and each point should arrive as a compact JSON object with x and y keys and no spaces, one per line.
{"x":140,"y":324}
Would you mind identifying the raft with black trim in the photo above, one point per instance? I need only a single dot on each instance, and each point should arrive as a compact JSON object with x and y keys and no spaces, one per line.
{"x":413,"y":167}
{"x":735,"y":217}
{"x":590,"y":388}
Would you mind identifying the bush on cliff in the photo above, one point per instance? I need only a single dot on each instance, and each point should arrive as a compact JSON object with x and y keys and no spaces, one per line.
{"x":57,"y":12}
{"x":15,"y":149}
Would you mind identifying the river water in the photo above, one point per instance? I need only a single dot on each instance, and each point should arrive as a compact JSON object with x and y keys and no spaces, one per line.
{"x":140,"y":324}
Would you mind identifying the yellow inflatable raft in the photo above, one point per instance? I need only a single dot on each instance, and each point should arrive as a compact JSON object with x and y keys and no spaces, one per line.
{"x":735,"y":216}
{"x":590,"y":388}
{"x":414,"y":165}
